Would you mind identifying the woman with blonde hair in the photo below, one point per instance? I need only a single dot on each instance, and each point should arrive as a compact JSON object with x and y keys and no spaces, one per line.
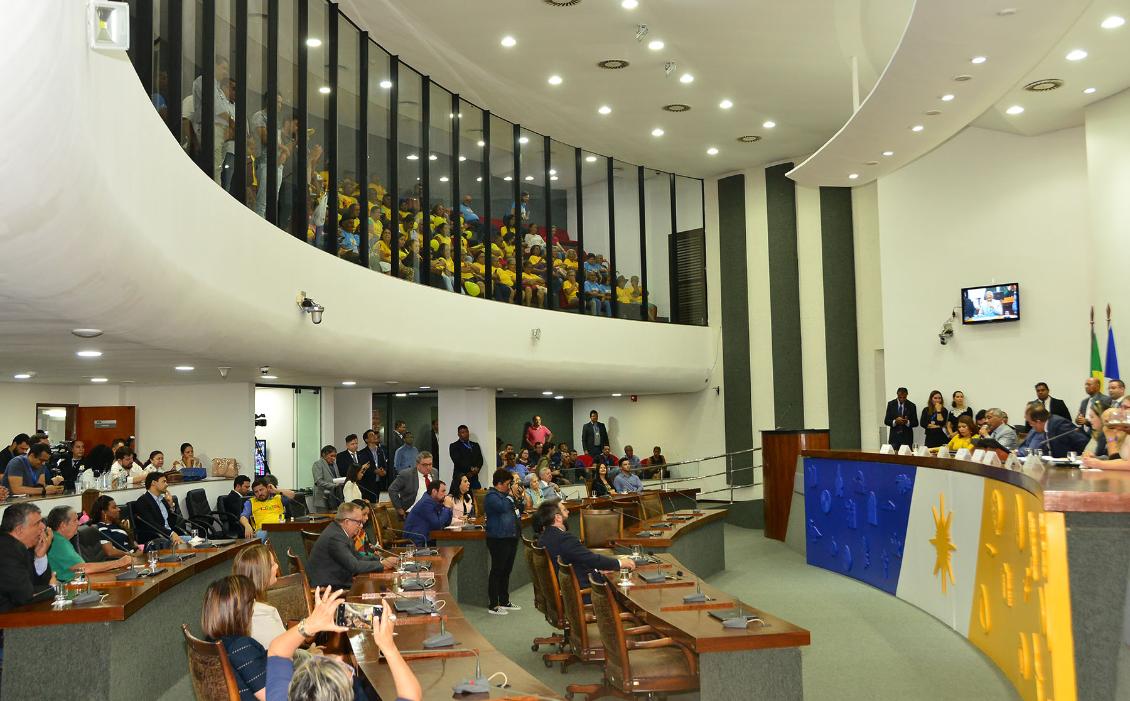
{"x":258,"y":564}
{"x":1114,"y":424}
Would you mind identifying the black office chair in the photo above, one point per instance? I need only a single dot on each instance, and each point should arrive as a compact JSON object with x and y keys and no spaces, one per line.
{"x":88,"y":542}
{"x":215,"y":524}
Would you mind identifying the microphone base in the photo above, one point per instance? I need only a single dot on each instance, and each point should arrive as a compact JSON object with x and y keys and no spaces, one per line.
{"x":439,"y":640}
{"x":697,"y":598}
{"x":473,"y":686}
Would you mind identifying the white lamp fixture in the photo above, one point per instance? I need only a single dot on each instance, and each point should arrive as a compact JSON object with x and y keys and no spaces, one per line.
{"x":89,"y":354}
{"x":590,"y":159}
{"x":686,"y":78}
{"x":712,"y":151}
{"x":1089,"y":91}
{"x":853,"y":176}
{"x":554,"y":80}
{"x":947,"y":97}
{"x":657,"y":132}
{"x":917,"y":128}
{"x":725,"y":104}
{"x":509,"y":41}
{"x":978,"y":60}
{"x":1113,"y":22}
{"x":386,"y":84}
{"x":22,"y":376}
{"x":1014,"y":110}
{"x":604,"y":109}
{"x":99,"y":380}
{"x":184,"y":368}
{"x":629,"y":4}
{"x":108,"y":25}
{"x":548,"y":393}
{"x":348,"y":383}
{"x":1076,"y":55}
{"x":325,"y":90}
{"x":769,"y":124}
{"x":655,"y":44}
{"x":313,"y":42}
{"x":523,"y":139}
{"x":888,"y":153}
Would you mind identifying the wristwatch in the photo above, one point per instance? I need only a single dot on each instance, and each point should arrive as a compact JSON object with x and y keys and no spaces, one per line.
{"x":302,"y":628}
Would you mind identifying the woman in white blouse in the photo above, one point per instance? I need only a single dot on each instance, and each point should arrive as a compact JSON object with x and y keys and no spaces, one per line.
{"x":464,"y":498}
{"x":137,"y":473}
{"x":187,"y":457}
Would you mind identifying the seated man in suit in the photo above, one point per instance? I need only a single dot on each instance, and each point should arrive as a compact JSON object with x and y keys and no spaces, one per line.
{"x":25,"y":575}
{"x":551,"y":520}
{"x":71,"y":464}
{"x":410,"y":485}
{"x":155,"y":512}
{"x":430,"y":513}
{"x":232,"y":502}
{"x":901,"y":417}
{"x":1053,"y":434}
{"x":333,"y":560}
{"x":996,"y":427}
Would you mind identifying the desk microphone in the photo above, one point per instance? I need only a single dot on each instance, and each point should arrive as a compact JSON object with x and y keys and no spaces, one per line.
{"x":477,"y":684}
{"x":158,"y":529}
{"x":697,"y":596}
{"x":440,"y":639}
{"x":641,"y":534}
{"x":426,"y":550}
{"x":1049,"y":439}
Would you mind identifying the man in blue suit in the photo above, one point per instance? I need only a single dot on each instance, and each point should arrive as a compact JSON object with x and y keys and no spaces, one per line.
{"x":902,"y":417}
{"x":1053,"y":433}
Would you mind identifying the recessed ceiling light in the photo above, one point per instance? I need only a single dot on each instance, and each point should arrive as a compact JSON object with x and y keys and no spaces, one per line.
{"x":1113,"y":22}
{"x":386,"y":84}
{"x":22,"y":376}
{"x":917,"y":128}
{"x":87,"y":333}
{"x":552,"y":171}
{"x":268,"y":377}
{"x":590,"y":159}
{"x":548,"y":392}
{"x":509,"y":41}
{"x":325,"y":90}
{"x":629,"y":4}
{"x":99,"y":380}
{"x":523,"y":140}
{"x":604,"y":109}
{"x":529,"y":178}
{"x":480,"y":143}
{"x":657,"y":132}
{"x":686,"y":78}
{"x":462,"y":158}
{"x":184,"y":368}
{"x":617,"y":394}
{"x":853,"y":176}
{"x":349,"y":383}
{"x":725,"y":104}
{"x":712,"y":151}
{"x":559,"y":396}
{"x":554,"y":80}
{"x":433,"y":157}
{"x":1015,"y":109}
{"x":412,"y":157}
{"x":1006,"y":12}
{"x":313,"y":42}
{"x":89,"y":354}
{"x":553,"y":177}
{"x":443,"y":178}
{"x":508,"y":178}
{"x":655,"y":44}
{"x":479,"y":179}
{"x":402,"y":394}
{"x":769,"y":124}
{"x":978,"y":60}
{"x":425,"y":386}
{"x":888,"y":153}
{"x":1089,"y":91}
{"x":947,"y":97}
{"x":1076,"y":55}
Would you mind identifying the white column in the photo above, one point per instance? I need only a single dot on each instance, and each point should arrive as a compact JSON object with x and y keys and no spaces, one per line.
{"x":475,"y":408}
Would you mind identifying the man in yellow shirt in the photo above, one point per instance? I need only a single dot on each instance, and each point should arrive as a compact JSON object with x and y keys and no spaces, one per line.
{"x":267,"y":506}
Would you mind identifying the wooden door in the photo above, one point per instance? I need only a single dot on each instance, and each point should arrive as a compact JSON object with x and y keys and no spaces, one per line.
{"x":102,"y":424}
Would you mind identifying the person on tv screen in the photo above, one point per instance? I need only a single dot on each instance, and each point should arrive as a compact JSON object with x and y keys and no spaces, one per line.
{"x":990,"y":305}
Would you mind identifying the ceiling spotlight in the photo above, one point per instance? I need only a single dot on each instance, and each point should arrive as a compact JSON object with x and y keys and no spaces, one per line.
{"x":552,"y":171}
{"x":310,"y":307}
{"x":22,"y":376}
{"x":425,"y":386}
{"x":1015,"y":109}
{"x":184,"y":368}
{"x":479,"y":179}
{"x":98,"y":380}
{"x":917,"y":128}
{"x":402,"y":394}
{"x":348,"y":383}
{"x":325,"y":90}
{"x":559,"y":396}
{"x":712,"y":151}
{"x":978,"y":60}
{"x":853,"y":176}
{"x":641,"y":31}
{"x":553,"y":177}
{"x":590,"y":159}
{"x":617,"y":394}
{"x":443,"y":178}
{"x":655,"y":44}
{"x":268,"y":377}
{"x":604,"y":109}
{"x":86,"y":333}
{"x":1113,"y":22}
{"x":509,"y":41}
{"x":508,"y":178}
{"x":629,"y":4}
{"x":686,"y":78}
{"x":1089,"y":91}
{"x":1076,"y":55}
{"x":433,"y":157}
{"x":480,"y":143}
{"x":769,"y":124}
{"x":529,"y":178}
{"x":89,"y":354}
{"x":948,"y":97}
{"x":313,"y":42}
{"x":523,"y":140}
{"x":888,"y":153}
{"x":725,"y":104}
{"x":657,"y":132}
{"x":412,"y":157}
{"x":554,"y":80}
{"x":386,"y":84}
{"x":547,"y":393}
{"x":462,"y":158}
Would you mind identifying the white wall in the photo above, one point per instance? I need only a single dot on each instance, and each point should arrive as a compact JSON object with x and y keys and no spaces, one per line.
{"x":813,"y":352}
{"x":217,"y":419}
{"x":1108,"y":169}
{"x":278,"y":405}
{"x":353,"y":413}
{"x":17,"y":406}
{"x":868,"y":312}
{"x":988,"y":207}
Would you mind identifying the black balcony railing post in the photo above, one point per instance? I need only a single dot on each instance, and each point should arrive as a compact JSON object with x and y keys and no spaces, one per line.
{"x":299,"y":220}
{"x":488,"y":275}
{"x":207,"y":106}
{"x":270,"y":153}
{"x":611,"y":235}
{"x":581,"y":277}
{"x":238,"y":178}
{"x":643,"y":242}
{"x":425,"y":233}
{"x":330,"y":235}
{"x":394,"y":162}
{"x":362,"y":156}
{"x":456,"y":249}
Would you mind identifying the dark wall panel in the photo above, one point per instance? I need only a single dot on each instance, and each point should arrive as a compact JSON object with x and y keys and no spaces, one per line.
{"x":840,"y":336}
{"x":784,"y":297}
{"x":511,"y":415}
{"x":737,"y":395}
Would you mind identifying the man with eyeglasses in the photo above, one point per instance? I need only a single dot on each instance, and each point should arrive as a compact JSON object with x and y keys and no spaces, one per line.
{"x":333,"y":560}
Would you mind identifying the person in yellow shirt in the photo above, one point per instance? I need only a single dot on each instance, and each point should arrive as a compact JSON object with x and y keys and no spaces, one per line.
{"x":267,"y":506}
{"x":570,"y":261}
{"x":440,"y":236}
{"x":384,"y":252}
{"x":533,"y":285}
{"x":444,"y":268}
{"x":963,"y":438}
{"x":509,"y":231}
{"x":505,"y":279}
{"x":570,"y":288}
{"x":536,"y":259}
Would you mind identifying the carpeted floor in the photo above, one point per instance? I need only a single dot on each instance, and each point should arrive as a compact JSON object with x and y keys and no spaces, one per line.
{"x":866,"y":644}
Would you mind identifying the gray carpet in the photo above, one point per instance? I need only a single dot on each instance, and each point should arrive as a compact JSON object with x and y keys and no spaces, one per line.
{"x":866,"y":644}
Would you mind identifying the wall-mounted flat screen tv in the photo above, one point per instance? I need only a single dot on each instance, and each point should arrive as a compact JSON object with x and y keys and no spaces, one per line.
{"x":990,"y":304}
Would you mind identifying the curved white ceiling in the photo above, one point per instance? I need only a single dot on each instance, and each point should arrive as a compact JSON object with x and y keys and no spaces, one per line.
{"x":116,"y":229}
{"x":941,"y":38}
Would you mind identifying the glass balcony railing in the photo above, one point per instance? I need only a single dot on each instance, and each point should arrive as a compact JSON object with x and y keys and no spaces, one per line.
{"x":311,"y":124}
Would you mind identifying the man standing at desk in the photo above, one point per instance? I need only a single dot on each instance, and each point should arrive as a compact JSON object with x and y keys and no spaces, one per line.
{"x":376,"y":480}
{"x":902,"y":417}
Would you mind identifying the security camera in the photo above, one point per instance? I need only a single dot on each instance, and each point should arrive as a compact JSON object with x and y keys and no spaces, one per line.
{"x":669,"y":68}
{"x":224,"y":371}
{"x":641,"y":31}
{"x":946,"y":332}
{"x":311,"y":307}
{"x":265,"y":370}
{"x":943,"y":339}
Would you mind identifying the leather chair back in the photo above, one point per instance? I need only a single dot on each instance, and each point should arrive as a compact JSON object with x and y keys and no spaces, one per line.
{"x":126,"y":516}
{"x":292,"y":597}
{"x":539,"y":594}
{"x":295,"y":563}
{"x":630,"y":507}
{"x":213,"y":678}
{"x":480,"y":496}
{"x":587,"y":648}
{"x":89,"y":544}
{"x":544,"y":575}
{"x":599,"y":527}
{"x":651,"y":505}
{"x":196,"y":503}
{"x":617,"y":666}
{"x":89,"y":496}
{"x":308,"y":540}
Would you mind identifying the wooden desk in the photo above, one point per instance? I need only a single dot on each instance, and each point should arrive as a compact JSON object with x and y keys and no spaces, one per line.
{"x":698,"y":543}
{"x":760,"y":661}
{"x":107,"y":639}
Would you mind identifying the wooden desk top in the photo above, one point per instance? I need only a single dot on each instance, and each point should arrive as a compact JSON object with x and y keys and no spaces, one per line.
{"x":1061,"y":488}
{"x":123,"y":598}
{"x":662,"y":607}
{"x":300,"y":524}
{"x":674,"y":532}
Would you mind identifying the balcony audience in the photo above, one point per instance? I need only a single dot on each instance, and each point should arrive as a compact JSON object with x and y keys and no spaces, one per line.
{"x":626,"y":481}
{"x":600,"y":486}
{"x":333,"y":560}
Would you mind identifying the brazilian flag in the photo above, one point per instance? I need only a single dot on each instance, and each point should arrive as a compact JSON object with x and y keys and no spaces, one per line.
{"x":1096,"y":360}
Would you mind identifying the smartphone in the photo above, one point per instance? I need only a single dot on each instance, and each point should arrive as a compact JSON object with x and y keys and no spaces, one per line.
{"x":358,"y":616}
